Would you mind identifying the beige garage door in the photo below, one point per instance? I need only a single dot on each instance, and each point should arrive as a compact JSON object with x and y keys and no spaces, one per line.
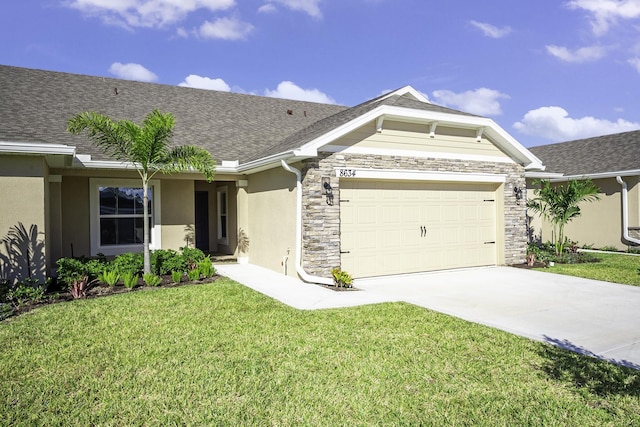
{"x":391,"y":227}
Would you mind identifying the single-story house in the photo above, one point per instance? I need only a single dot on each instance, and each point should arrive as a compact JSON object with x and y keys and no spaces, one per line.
{"x":393,"y":185}
{"x":612,"y":162}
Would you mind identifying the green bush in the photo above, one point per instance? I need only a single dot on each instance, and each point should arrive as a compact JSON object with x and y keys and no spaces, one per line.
{"x":26,"y":291}
{"x":193,"y":274}
{"x":205,"y":268}
{"x":176,"y":276}
{"x":341,"y":279}
{"x":192,"y":256}
{"x":70,"y":270}
{"x":164,"y":261}
{"x":5,"y":310}
{"x":129,"y":279}
{"x":151,"y":279}
{"x":109,"y":276}
{"x":129,"y":263}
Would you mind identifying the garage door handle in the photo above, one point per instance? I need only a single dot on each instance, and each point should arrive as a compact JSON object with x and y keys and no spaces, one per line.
{"x":345,"y":252}
{"x":489,"y":243}
{"x":423,"y":231}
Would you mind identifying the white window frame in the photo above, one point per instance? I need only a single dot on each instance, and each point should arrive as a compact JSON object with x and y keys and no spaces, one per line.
{"x":94,"y":207}
{"x":223,"y":216}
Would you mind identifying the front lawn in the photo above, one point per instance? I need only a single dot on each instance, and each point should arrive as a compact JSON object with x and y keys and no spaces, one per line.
{"x":616,"y":268}
{"x":222,"y":354}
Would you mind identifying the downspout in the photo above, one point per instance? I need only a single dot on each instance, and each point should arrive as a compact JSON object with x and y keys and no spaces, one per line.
{"x":625,"y":214}
{"x":299,"y":269}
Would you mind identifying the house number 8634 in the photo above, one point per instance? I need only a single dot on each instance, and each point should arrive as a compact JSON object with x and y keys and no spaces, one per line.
{"x":347,"y":173}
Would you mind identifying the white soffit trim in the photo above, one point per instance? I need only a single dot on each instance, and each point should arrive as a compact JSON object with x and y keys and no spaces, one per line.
{"x":491,"y":129}
{"x":542,"y":175}
{"x":392,"y":174}
{"x":416,"y":154}
{"x":84,"y":161}
{"x":36,"y":148}
{"x":603,"y":175}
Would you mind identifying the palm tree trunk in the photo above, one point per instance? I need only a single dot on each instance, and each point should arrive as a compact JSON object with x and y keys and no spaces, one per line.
{"x":145,"y":225}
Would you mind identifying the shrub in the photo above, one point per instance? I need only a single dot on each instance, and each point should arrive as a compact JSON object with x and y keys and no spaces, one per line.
{"x":341,"y":279}
{"x":164,"y":261}
{"x":205,"y":268}
{"x":5,"y":310}
{"x":193,"y":274}
{"x":129,"y":279}
{"x":192,"y":256}
{"x":28,"y":290}
{"x":110,"y":276}
{"x":151,"y":279}
{"x":129,"y":262}
{"x":176,"y":276}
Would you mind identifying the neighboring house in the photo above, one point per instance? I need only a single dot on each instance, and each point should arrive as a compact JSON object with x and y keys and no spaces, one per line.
{"x":393,"y":185}
{"x":612,"y":162}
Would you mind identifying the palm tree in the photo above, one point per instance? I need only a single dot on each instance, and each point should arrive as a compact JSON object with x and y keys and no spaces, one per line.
{"x":559,"y":204}
{"x":147,"y":147}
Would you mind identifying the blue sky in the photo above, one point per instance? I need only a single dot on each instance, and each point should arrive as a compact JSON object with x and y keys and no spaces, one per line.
{"x":545,"y":70}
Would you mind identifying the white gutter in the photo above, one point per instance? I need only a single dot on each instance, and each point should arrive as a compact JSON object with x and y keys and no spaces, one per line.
{"x":625,"y":214}
{"x":299,"y":269}
{"x":36,"y":148}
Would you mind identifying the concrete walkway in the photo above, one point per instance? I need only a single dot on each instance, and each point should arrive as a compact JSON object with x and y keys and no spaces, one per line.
{"x":591,"y":317}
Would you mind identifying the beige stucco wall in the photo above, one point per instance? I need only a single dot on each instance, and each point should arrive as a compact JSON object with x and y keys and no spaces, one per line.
{"x":75,"y":216}
{"x":23,"y":201}
{"x":600,"y":222}
{"x":400,"y":136}
{"x":271,"y":219}
{"x":178,"y":212}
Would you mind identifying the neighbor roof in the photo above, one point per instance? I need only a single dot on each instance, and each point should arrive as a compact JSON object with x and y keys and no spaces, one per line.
{"x":597,"y":155}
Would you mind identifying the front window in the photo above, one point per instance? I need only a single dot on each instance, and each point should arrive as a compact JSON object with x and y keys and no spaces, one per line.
{"x":121,"y":215}
{"x":117,"y":215}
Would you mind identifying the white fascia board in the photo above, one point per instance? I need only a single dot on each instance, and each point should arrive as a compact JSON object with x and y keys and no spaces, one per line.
{"x":36,"y":148}
{"x":602,"y":175}
{"x":416,"y":175}
{"x":84,"y":161}
{"x":408,"y":90}
{"x":542,"y":175}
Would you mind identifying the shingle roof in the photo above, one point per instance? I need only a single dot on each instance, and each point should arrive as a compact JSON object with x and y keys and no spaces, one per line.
{"x":601,"y":154}
{"x":35,"y":106}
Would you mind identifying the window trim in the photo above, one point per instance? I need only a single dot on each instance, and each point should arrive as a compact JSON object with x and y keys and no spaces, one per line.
{"x":94,"y":216}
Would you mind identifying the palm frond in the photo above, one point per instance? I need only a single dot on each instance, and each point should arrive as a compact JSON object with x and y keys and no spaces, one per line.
{"x":115,"y":138}
{"x":188,"y":157}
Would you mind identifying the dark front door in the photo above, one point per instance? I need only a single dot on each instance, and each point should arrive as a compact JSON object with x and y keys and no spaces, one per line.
{"x":202,"y":220}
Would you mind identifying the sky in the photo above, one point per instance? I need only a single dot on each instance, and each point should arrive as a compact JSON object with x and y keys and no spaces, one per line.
{"x":545,"y":70}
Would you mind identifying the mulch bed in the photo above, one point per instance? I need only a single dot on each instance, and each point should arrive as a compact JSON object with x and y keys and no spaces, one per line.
{"x":537,"y":264}
{"x":102,"y":290}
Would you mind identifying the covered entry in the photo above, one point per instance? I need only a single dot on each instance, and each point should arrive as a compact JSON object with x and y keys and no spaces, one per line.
{"x":396,"y":227}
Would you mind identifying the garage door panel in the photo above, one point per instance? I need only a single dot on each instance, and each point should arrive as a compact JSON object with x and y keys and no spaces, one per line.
{"x":384,"y":223}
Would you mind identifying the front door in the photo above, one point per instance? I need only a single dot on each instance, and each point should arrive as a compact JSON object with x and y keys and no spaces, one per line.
{"x":202,"y":220}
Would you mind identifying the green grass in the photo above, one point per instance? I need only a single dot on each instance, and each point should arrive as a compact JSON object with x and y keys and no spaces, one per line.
{"x":616,"y":268}
{"x":222,"y":354}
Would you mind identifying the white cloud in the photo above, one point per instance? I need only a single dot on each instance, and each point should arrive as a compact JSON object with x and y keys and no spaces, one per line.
{"x":482,"y":101}
{"x":199,"y":82}
{"x":605,"y":13}
{"x":635,"y":62}
{"x":226,"y":29}
{"x":289,"y":90}
{"x":145,"y":13}
{"x":309,"y":7}
{"x":132,"y":72}
{"x":267,"y":8}
{"x":491,"y":30}
{"x":583,"y":54}
{"x":555,"y":124}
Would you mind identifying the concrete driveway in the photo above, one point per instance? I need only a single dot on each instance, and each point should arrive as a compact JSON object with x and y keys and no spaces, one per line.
{"x":596,"y":318}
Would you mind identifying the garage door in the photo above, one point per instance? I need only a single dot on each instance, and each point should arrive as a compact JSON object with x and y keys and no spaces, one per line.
{"x":392,"y":227}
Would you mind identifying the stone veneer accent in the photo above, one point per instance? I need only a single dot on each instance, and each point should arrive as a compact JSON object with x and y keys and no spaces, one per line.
{"x":321,"y":221}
